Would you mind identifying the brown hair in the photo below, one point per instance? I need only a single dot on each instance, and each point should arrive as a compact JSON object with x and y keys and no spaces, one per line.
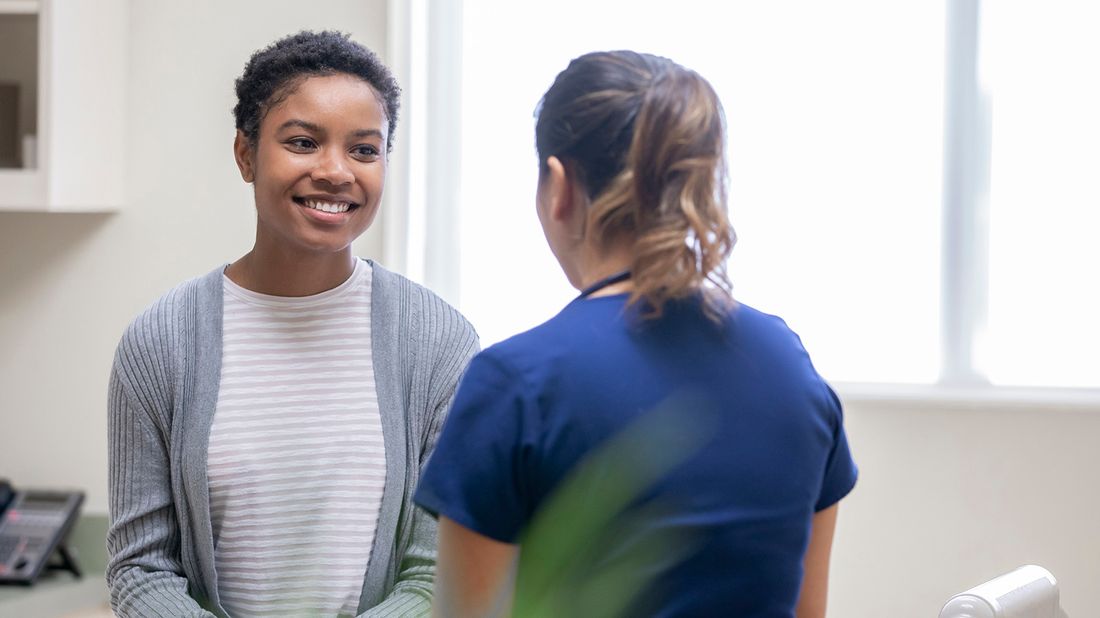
{"x":646,"y":138}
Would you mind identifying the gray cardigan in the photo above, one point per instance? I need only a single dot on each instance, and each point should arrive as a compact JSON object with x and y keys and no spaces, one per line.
{"x":163,"y":389}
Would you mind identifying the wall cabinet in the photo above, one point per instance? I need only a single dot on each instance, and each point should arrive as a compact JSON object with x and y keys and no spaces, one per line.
{"x":63,"y":105}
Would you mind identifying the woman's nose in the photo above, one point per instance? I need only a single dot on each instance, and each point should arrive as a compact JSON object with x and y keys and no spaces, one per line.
{"x":332,"y":168}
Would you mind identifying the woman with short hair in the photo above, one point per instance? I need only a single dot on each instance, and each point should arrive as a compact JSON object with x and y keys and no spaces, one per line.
{"x":269,"y":420}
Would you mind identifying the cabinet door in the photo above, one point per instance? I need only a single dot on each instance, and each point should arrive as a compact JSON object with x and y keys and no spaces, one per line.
{"x":80,"y":132}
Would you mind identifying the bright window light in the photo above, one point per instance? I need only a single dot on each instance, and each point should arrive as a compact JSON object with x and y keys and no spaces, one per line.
{"x":1044,"y":288}
{"x":835,"y":125}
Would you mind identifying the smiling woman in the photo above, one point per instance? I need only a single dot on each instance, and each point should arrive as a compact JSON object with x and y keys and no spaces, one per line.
{"x":318,"y":167}
{"x":267,"y":418}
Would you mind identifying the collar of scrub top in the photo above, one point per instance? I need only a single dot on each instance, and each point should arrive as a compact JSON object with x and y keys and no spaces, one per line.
{"x":605,"y":282}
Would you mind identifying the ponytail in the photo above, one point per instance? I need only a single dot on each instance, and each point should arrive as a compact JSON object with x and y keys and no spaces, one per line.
{"x":653,"y":161}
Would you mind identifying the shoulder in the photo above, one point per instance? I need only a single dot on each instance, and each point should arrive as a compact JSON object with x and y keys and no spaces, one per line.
{"x":529,"y":359}
{"x":396,"y":292}
{"x":753,"y":326}
{"x":410,"y":311}
{"x":161,"y":327}
{"x":778,"y":347}
{"x":755,"y":318}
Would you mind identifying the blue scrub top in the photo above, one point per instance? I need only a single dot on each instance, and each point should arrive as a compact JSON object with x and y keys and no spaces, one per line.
{"x":767,"y":447}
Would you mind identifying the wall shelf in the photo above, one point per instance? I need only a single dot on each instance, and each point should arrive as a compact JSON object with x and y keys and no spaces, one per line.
{"x":19,"y":7}
{"x":67,"y":62}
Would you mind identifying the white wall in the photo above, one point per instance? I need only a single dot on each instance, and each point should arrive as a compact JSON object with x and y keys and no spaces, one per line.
{"x":69,"y":284}
{"x":954,"y":494}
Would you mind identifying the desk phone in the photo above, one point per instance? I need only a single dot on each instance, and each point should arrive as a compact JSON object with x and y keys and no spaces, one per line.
{"x":33,"y":527}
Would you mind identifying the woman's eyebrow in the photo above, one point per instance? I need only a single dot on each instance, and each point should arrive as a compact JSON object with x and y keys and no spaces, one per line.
{"x":294,"y":122}
{"x":366,"y":133}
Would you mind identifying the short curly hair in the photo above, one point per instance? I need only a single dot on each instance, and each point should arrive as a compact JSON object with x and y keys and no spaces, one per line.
{"x":273,"y":73}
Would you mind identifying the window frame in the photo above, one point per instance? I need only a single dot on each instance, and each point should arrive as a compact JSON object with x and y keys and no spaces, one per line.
{"x":422,"y":240}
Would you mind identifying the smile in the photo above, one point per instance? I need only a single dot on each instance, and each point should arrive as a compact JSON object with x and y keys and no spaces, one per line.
{"x":325,"y":206}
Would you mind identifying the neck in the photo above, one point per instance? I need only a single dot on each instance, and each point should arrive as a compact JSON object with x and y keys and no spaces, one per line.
{"x":595,"y":267}
{"x":279,"y":273}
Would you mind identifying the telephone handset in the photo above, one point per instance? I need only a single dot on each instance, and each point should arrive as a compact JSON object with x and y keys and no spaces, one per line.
{"x":33,"y":527}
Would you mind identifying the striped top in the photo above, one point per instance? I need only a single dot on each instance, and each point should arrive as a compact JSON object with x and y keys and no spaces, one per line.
{"x":161,"y":398}
{"x":296,"y":462}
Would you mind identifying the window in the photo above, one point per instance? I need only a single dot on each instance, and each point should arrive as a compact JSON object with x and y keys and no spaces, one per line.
{"x":852,"y":127}
{"x":1044,"y":258}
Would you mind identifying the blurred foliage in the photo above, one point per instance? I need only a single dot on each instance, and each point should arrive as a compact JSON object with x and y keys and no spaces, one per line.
{"x":595,"y":546}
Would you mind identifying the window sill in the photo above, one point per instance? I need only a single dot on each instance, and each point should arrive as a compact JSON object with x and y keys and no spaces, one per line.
{"x":969,"y":397}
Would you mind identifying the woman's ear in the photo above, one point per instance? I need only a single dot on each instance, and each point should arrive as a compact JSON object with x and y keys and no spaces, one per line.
{"x":566,"y":198}
{"x":243,"y":153}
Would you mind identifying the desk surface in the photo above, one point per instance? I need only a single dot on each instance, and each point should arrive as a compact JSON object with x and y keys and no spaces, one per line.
{"x":59,"y":594}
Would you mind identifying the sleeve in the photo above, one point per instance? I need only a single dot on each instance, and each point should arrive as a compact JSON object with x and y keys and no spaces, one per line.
{"x":840,"y":468}
{"x":475,"y":476}
{"x":144,"y":573}
{"x":412,"y":591}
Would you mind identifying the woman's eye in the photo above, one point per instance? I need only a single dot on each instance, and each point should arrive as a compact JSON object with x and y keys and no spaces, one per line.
{"x":365,"y":151}
{"x":301,"y":144}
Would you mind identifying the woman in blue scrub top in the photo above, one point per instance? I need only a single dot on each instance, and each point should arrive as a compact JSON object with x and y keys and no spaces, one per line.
{"x":632,"y":200}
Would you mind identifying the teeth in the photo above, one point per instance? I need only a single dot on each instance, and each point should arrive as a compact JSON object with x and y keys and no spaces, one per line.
{"x":327,"y":206}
